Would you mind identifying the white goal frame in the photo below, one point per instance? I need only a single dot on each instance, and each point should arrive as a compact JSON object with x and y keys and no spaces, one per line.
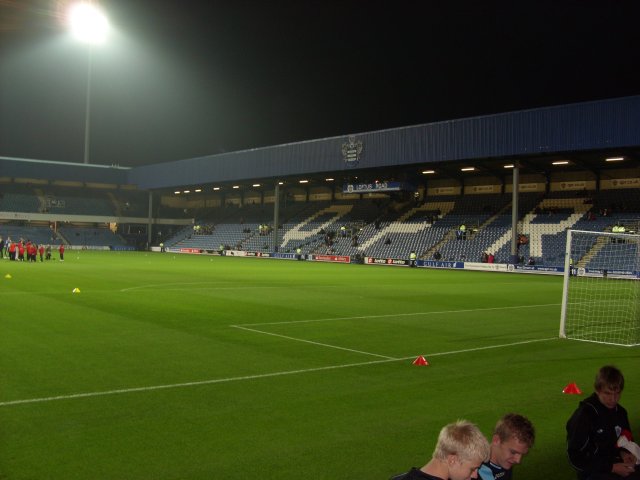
{"x":601,"y":303}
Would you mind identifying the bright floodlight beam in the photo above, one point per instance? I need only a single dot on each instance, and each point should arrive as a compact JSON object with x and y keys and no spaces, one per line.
{"x":88,"y":23}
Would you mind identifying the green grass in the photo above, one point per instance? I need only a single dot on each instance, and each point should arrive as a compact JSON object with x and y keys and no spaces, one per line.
{"x":200,"y":368}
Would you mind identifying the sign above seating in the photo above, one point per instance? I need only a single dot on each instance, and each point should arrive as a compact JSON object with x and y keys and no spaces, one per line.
{"x":377,"y":187}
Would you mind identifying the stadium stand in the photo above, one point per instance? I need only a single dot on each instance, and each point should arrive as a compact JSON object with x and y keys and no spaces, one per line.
{"x":40,"y":234}
{"x":90,"y":236}
{"x":379,"y":227}
{"x":392,"y":230}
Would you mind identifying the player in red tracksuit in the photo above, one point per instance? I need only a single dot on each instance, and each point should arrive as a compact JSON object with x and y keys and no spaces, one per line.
{"x":32,"y":252}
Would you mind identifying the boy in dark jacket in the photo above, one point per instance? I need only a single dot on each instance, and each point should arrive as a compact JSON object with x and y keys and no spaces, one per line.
{"x":594,"y":429}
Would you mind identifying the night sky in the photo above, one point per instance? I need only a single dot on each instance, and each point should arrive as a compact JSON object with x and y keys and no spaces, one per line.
{"x":182,"y":79}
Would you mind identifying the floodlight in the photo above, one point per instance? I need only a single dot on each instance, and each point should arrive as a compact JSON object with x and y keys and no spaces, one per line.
{"x":88,"y":23}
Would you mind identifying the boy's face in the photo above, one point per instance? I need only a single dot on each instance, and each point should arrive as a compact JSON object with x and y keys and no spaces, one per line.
{"x":507,"y":453}
{"x":609,"y":397}
{"x":463,"y":469}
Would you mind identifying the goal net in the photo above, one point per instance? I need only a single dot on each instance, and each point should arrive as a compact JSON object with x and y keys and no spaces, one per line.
{"x":601,"y":291}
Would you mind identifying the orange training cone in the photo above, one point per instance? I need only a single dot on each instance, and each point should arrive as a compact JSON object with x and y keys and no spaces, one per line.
{"x":572,"y":389}
{"x":421,"y":361}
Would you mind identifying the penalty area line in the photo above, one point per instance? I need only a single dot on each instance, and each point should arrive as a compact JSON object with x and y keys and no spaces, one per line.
{"x":121,"y":391}
{"x":312,"y":342}
{"x":392,"y":315}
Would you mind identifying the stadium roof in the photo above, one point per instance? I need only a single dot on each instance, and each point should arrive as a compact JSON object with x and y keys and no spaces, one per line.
{"x":584,"y":135}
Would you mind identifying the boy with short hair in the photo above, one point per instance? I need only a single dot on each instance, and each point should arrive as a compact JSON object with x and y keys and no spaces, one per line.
{"x":460,"y":450}
{"x":595,"y":428}
{"x":513,"y":436}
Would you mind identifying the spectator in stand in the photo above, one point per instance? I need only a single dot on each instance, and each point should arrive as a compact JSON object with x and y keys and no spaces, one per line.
{"x":596,"y":430}
{"x":513,"y":436}
{"x":522,"y":239}
{"x":531,"y":261}
{"x":437,"y":255}
{"x":485,"y":257}
{"x":460,"y":451}
{"x":618,"y":228}
{"x":491,"y":258}
{"x":462,"y":232}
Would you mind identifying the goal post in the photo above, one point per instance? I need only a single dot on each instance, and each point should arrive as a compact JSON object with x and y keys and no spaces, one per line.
{"x":601,"y":288}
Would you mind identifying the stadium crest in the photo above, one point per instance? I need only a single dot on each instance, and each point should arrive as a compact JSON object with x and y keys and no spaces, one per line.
{"x":351,"y":151}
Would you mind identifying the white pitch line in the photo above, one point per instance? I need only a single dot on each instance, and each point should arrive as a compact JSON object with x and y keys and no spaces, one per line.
{"x":255,"y":377}
{"x":388,"y":315}
{"x":312,"y":342}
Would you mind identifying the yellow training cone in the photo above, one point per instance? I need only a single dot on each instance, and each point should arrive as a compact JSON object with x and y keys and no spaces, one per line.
{"x":8,"y":275}
{"x":76,"y":290}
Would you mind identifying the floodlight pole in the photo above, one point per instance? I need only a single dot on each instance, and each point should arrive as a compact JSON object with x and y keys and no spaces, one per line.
{"x":89,"y":25}
{"x":87,"y":115}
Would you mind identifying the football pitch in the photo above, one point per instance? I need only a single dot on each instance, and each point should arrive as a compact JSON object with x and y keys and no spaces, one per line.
{"x":164,"y":366}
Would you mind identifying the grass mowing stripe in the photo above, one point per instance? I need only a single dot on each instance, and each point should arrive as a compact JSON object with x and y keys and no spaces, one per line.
{"x":260,"y":376}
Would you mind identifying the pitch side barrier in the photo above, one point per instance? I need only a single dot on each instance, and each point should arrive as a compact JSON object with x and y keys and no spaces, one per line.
{"x":330,"y":258}
{"x":227,"y":253}
{"x":99,"y":247}
{"x":606,"y":273}
{"x":401,"y":262}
